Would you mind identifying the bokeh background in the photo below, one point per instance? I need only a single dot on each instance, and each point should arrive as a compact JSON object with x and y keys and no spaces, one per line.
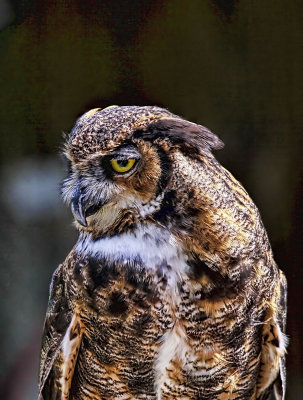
{"x":234,"y":66}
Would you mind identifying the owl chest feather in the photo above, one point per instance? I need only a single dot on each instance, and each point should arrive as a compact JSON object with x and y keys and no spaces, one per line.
{"x":144,"y":321}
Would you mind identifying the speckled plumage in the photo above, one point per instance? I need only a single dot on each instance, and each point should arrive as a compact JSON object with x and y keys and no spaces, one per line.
{"x":171,"y":291}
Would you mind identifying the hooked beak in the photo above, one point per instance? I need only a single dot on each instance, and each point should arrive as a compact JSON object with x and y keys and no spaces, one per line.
{"x":81,"y":208}
{"x":78,"y":207}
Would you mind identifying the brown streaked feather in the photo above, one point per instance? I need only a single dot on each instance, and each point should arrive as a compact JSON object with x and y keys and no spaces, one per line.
{"x":70,"y":348}
{"x":272,"y":373}
{"x":58,"y":318}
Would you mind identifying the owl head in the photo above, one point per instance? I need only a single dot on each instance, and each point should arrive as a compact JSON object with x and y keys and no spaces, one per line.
{"x":133,"y":164}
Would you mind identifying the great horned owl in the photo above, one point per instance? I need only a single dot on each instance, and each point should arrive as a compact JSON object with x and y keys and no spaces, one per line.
{"x":171,"y":291}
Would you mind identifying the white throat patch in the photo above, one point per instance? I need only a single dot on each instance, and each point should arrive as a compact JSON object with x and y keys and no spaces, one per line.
{"x":150,"y":245}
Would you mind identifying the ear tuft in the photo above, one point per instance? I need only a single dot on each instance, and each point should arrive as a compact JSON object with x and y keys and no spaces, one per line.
{"x":190,"y":137}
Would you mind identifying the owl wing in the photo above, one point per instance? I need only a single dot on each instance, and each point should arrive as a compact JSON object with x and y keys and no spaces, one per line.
{"x":272,"y":376}
{"x":60,"y":343}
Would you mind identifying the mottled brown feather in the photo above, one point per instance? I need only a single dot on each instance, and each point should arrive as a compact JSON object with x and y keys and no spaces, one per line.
{"x":171,"y":291}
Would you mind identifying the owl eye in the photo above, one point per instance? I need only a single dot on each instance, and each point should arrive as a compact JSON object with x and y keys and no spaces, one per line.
{"x":122,"y":166}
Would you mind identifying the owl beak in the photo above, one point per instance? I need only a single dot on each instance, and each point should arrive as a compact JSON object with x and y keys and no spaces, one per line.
{"x":78,"y":207}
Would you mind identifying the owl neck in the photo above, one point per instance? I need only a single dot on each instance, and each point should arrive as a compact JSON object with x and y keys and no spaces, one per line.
{"x":147,"y":246}
{"x":213,"y":236}
{"x":162,"y":254}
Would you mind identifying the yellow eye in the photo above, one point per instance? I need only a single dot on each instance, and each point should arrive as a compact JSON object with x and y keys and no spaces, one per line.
{"x":122,"y":165}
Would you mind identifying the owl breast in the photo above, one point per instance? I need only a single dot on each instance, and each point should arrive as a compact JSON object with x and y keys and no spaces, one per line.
{"x":147,"y":334}
{"x":130,"y":285}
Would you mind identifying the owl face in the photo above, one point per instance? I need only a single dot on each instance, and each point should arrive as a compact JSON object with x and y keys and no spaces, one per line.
{"x":123,"y":164}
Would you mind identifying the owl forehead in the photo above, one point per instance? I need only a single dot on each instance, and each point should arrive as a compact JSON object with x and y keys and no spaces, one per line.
{"x":103,"y":130}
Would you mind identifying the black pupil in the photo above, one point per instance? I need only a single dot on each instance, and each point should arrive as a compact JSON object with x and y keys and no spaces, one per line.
{"x":122,"y":163}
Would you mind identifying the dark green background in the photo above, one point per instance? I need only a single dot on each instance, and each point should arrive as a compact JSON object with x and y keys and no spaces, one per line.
{"x":234,"y":66}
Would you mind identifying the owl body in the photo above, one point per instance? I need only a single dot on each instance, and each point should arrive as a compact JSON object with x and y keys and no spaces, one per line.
{"x":171,"y":291}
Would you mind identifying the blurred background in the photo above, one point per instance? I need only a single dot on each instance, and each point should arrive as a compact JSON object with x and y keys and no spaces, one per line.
{"x":233,"y":66}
